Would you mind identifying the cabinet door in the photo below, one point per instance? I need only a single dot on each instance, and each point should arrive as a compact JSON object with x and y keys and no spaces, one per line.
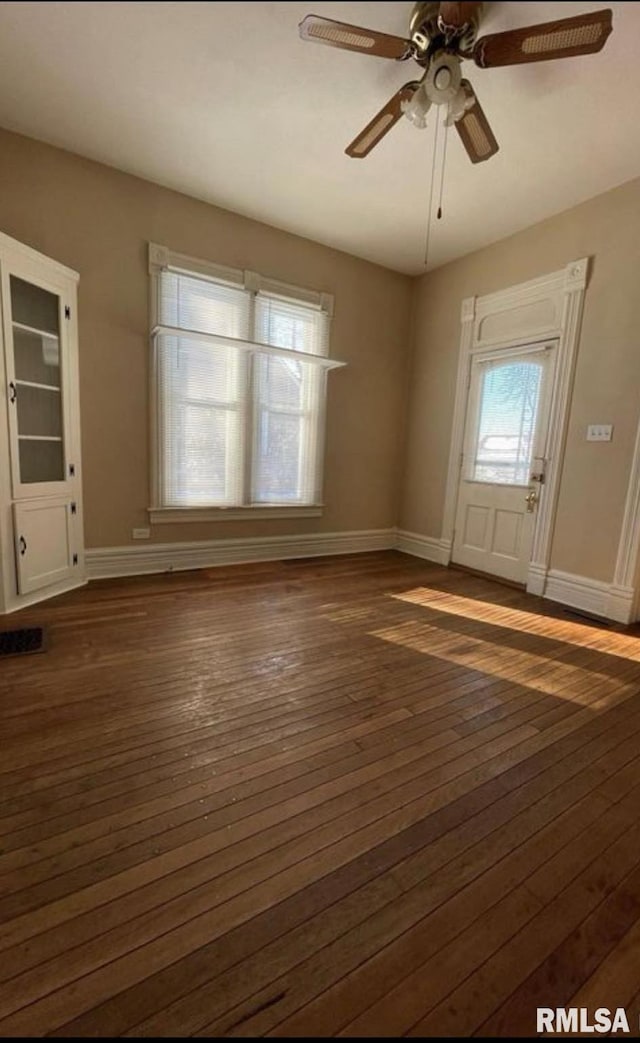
{"x":44,"y":543}
{"x":38,"y":385}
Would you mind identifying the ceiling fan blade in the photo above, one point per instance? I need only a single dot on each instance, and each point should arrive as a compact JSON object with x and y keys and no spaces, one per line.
{"x":381,"y":123}
{"x":352,"y":37}
{"x":582,"y":34}
{"x":456,"y":16}
{"x":474,"y":130}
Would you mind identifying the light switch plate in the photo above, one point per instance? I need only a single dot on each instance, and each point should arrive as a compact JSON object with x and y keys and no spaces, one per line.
{"x":599,"y":432}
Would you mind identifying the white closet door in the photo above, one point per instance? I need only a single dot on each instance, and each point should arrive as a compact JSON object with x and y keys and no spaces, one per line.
{"x":44,"y":543}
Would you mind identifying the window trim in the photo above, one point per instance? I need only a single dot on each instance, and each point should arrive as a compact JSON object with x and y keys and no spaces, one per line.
{"x":162,"y":258}
{"x":252,"y":512}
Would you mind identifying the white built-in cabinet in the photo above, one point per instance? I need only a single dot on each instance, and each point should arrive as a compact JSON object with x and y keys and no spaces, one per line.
{"x":41,"y":537}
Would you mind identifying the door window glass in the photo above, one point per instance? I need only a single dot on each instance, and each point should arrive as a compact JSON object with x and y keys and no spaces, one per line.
{"x":507,"y":415}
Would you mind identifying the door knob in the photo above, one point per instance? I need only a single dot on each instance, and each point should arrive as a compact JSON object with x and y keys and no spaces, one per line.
{"x":531,"y":500}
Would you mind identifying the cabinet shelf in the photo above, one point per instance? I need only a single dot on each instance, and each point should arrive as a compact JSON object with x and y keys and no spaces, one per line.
{"x":39,"y":438}
{"x":34,"y":329}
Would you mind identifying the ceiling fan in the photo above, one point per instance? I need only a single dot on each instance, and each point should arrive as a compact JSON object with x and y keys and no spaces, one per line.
{"x":441,"y":36}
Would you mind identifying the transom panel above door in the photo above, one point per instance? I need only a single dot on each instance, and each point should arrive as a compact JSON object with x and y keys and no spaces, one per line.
{"x":502,"y":469}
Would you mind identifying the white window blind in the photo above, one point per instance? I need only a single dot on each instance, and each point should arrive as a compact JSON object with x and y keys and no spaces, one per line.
{"x":241,"y":380}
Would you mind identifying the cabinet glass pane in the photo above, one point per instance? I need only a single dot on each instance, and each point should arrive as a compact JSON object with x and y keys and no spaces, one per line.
{"x":39,"y":412}
{"x":40,"y":461}
{"x":38,"y":385}
{"x":34,"y":307}
{"x":36,"y":358}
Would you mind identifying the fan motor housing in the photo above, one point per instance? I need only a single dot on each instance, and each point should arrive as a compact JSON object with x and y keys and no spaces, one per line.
{"x":424,"y":27}
{"x":424,"y":19}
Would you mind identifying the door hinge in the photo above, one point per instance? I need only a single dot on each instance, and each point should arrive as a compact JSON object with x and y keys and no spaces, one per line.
{"x":72,"y":470}
{"x":67,"y":311}
{"x":73,"y":508}
{"x":75,"y":559}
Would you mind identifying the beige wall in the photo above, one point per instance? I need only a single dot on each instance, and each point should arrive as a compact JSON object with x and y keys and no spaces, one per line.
{"x":99,"y":221}
{"x":607,"y":380}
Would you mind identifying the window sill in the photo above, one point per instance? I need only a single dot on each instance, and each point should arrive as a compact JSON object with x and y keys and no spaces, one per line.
{"x":171,"y":515}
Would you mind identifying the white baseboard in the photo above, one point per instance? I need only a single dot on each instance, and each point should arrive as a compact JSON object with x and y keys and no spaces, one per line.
{"x":103,"y":562}
{"x":591,"y":595}
{"x":580,"y":592}
{"x":438,"y":551}
{"x":587,"y":595}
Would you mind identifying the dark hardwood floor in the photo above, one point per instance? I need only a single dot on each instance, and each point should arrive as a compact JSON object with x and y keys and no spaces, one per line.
{"x":355,"y":796}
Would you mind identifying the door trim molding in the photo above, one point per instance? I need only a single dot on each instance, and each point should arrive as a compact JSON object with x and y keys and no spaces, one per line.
{"x":547,"y":308}
{"x":622,"y":602}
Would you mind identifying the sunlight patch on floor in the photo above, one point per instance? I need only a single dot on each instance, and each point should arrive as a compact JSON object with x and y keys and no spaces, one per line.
{"x":612,"y":643}
{"x":524,"y":669}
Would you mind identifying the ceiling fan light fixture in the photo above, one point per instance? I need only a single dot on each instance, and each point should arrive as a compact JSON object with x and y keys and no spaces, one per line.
{"x":417,"y":107}
{"x":460,"y":104}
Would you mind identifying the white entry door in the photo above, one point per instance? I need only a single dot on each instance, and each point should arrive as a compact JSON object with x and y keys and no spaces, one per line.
{"x":503,"y":462}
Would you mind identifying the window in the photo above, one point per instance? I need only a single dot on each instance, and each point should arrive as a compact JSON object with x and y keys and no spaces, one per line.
{"x":240,"y":369}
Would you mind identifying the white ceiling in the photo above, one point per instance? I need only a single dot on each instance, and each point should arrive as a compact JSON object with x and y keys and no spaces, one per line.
{"x":223,"y":101}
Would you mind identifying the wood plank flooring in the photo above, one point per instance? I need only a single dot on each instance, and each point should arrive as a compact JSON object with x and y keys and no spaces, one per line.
{"x":348,"y":796}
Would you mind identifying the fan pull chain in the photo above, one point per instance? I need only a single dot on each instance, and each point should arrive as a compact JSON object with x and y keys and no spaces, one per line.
{"x":444,"y":162}
{"x":433,"y":180}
